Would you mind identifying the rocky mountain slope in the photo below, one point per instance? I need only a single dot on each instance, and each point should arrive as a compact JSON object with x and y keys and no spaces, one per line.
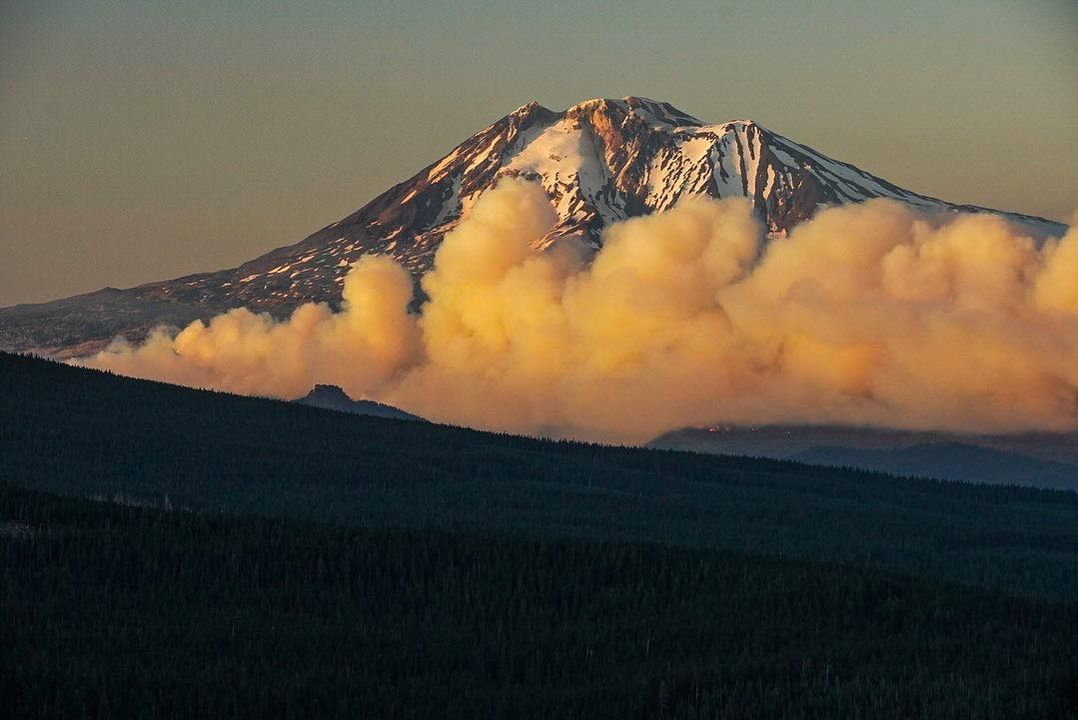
{"x":600,"y":161}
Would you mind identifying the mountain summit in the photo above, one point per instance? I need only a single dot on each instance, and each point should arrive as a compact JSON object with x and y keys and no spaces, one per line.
{"x":332,"y":397}
{"x":600,"y":161}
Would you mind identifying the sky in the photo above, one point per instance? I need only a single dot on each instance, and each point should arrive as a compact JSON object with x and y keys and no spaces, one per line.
{"x":147,"y":140}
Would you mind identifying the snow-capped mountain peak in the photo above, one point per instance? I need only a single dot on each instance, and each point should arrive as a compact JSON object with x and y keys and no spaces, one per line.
{"x":600,"y":161}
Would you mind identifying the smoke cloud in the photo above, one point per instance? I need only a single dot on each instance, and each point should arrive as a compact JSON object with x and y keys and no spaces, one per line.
{"x":867,"y":314}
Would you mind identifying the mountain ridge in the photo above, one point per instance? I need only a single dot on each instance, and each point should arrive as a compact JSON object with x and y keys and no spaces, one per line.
{"x":1038,"y":459}
{"x":600,"y":161}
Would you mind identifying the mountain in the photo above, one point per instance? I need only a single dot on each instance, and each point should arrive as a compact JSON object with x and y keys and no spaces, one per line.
{"x":1048,"y":460}
{"x":600,"y":161}
{"x":331,"y":397}
{"x":950,"y":461}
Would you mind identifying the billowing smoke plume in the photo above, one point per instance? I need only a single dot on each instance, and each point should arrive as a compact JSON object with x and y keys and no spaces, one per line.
{"x":867,"y":314}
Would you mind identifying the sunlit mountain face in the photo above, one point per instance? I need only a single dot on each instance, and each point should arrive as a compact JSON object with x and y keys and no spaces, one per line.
{"x":600,"y":161}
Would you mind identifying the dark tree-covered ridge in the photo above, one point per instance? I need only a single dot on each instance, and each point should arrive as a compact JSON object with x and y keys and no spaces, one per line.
{"x":87,"y":433}
{"x":116,"y":611}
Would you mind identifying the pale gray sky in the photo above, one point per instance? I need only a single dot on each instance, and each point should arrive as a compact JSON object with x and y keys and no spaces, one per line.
{"x":146,"y":140}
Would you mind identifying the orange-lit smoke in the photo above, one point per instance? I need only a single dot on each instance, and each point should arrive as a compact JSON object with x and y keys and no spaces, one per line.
{"x":866,"y":314}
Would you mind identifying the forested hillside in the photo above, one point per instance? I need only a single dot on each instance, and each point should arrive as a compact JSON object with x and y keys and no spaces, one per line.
{"x":167,"y":552}
{"x":115,"y":611}
{"x":87,"y":433}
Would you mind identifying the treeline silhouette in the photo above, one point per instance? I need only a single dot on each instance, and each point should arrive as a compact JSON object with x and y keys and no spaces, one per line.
{"x":88,"y":433}
{"x":117,"y":611}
